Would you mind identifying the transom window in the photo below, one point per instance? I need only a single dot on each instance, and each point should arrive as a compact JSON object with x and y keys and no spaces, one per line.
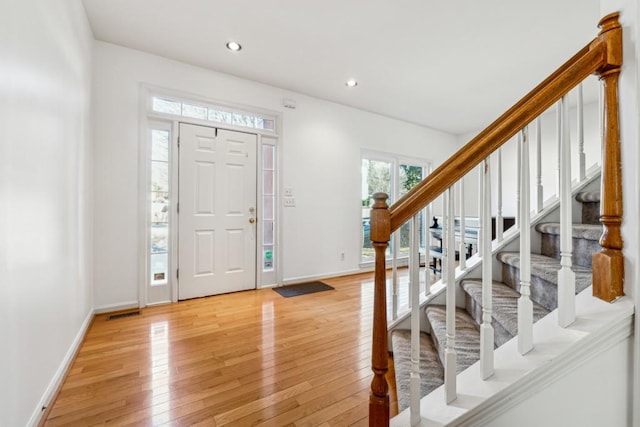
{"x":212,"y":113}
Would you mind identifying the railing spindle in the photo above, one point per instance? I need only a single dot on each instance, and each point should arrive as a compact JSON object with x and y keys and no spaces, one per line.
{"x":580,"y":135}
{"x":486,"y":329}
{"x":539,"y":187}
{"x":480,"y":205}
{"x":519,"y":174}
{"x":558,"y":139}
{"x":499,"y":217}
{"x":525,"y":306}
{"x":395,"y":286}
{"x":463,"y":246}
{"x":380,"y":235}
{"x":414,"y":267}
{"x":427,"y":248}
{"x":566,"y":276}
{"x":450,"y":352}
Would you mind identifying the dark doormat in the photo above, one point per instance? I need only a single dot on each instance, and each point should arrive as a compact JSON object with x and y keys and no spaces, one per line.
{"x":302,"y":289}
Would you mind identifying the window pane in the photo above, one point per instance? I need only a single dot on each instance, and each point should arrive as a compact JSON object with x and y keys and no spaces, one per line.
{"x":268,"y":232}
{"x":194,"y":111}
{"x":268,"y":152}
{"x":267,"y":257}
{"x":160,"y":145}
{"x":159,"y":237}
{"x":159,"y":176}
{"x":267,"y":207}
{"x":269,"y":124}
{"x":159,"y":269}
{"x":376,"y":178}
{"x":268,"y":182}
{"x":159,"y":206}
{"x":409,"y":177}
{"x":166,"y":106}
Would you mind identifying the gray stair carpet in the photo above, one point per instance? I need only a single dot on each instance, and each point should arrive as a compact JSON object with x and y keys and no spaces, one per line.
{"x":544,"y":277}
{"x":590,"y":206}
{"x":544,"y":295}
{"x":585,"y":241}
{"x":504,"y":302}
{"x":431,"y":370}
{"x":467,"y":340}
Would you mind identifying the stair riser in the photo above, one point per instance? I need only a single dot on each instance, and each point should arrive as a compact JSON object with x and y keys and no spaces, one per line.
{"x":543,"y":292}
{"x":501,"y":335}
{"x":583,"y":249}
{"x":591,"y":212}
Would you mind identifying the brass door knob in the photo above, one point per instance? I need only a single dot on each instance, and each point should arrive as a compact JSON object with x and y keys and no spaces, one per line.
{"x":252,"y":220}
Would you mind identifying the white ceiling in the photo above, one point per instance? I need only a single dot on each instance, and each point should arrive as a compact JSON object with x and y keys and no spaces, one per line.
{"x":453,"y":65}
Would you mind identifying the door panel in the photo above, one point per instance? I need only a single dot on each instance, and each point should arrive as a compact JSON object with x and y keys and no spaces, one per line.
{"x":217,"y":196}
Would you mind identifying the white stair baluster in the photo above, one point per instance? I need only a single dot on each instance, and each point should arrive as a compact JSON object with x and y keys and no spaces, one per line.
{"x":558,"y":138}
{"x":539,"y":187}
{"x":486,"y":329}
{"x":499,"y":218}
{"x":463,"y":246}
{"x":580,"y":134}
{"x":395,"y":291}
{"x":443,"y":264}
{"x":519,"y":175}
{"x":450,"y":352}
{"x":427,"y":249}
{"x":566,"y":276}
{"x":414,"y":277}
{"x":525,"y":306}
{"x":480,"y":204}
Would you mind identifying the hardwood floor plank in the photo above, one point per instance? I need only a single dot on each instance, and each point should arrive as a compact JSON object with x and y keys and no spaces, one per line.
{"x":247,"y":358}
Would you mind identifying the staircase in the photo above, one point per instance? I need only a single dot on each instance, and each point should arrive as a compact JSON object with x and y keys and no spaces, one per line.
{"x":544,"y":275}
{"x":457,"y":342}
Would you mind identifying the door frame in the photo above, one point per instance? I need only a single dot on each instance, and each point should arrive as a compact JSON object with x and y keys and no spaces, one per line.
{"x":147,"y":118}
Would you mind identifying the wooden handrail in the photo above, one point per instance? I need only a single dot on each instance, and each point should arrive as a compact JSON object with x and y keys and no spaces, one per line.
{"x":602,"y":56}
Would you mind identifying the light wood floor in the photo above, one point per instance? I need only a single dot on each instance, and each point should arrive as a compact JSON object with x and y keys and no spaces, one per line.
{"x":248,"y":358}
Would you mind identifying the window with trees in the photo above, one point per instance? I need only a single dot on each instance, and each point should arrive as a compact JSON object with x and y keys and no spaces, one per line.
{"x":394,"y":176}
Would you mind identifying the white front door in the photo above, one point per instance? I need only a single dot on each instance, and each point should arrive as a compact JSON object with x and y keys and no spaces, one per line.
{"x":217,"y":211}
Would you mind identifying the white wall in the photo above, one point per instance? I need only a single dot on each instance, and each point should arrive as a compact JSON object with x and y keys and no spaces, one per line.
{"x":45,"y":197}
{"x":575,"y":401}
{"x":321,"y":143}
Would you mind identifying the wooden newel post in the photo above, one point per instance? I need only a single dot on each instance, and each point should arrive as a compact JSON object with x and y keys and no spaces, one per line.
{"x":608,"y":264}
{"x":380,"y":235}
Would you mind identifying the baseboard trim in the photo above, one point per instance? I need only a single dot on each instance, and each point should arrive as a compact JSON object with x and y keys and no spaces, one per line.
{"x":127,"y":305}
{"x":44,"y":406}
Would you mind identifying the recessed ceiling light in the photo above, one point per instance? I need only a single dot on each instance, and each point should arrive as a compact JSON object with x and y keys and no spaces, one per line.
{"x":351,"y":83}
{"x":234,"y":46}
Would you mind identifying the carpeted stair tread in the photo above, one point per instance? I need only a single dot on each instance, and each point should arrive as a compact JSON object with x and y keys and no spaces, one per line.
{"x":547,"y":268}
{"x":585,"y":242}
{"x":544,"y":277}
{"x":588,"y":197}
{"x":579,"y":231}
{"x":467,"y":341}
{"x":504,"y":308}
{"x":431,"y":370}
